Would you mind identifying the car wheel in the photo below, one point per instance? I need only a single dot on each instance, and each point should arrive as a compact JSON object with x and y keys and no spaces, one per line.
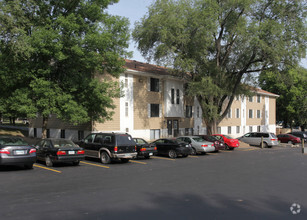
{"x":147,"y":157}
{"x":172,"y":154}
{"x":105,"y":158}
{"x":76,"y":163}
{"x":265,"y":145}
{"x":185,"y":155}
{"x":193,"y":151}
{"x":231,"y":148}
{"x":49,"y":162}
{"x":290,"y":142}
{"x":124,"y":160}
{"x":28,"y":166}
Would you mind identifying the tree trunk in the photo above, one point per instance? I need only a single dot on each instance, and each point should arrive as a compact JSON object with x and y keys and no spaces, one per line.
{"x":212,"y":127}
{"x":44,"y":128}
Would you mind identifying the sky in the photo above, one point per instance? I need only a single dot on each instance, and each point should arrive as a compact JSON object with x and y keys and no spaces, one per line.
{"x":134,"y":10}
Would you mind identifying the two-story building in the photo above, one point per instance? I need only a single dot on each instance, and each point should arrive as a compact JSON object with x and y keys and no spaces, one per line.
{"x":154,"y":105}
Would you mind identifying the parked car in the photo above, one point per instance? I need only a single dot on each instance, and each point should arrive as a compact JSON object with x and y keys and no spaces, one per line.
{"x":254,"y":138}
{"x":109,"y":146}
{"x":218,"y":142}
{"x":53,"y":150}
{"x":144,"y":149}
{"x":15,"y":151}
{"x":198,"y":144}
{"x":288,"y":138}
{"x":172,"y":147}
{"x":300,"y":134}
{"x":230,"y":143}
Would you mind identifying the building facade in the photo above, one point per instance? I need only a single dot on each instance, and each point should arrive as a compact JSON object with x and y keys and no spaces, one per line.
{"x":154,"y":105}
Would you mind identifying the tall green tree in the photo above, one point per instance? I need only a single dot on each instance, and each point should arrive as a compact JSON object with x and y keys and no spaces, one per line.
{"x":290,"y":85}
{"x":53,"y":54}
{"x":221,"y":43}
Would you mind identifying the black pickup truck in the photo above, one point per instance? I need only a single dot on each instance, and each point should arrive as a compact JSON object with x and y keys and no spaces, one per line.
{"x":109,"y":146}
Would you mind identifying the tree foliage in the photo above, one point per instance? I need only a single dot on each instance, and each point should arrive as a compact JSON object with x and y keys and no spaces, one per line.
{"x":51,"y":54}
{"x":221,"y":43}
{"x":290,"y":84}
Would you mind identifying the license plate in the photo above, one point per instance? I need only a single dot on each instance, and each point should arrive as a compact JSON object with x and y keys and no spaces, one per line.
{"x":71,"y":152}
{"x":20,"y":152}
{"x":150,"y":154}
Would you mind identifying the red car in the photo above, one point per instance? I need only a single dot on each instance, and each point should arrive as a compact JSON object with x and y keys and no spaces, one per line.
{"x":230,"y":143}
{"x":288,"y":138}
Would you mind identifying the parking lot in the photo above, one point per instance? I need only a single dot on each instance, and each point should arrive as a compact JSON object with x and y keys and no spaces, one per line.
{"x":244,"y":183}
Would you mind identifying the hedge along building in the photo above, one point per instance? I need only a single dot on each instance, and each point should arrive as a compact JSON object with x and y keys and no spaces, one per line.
{"x":154,"y":105}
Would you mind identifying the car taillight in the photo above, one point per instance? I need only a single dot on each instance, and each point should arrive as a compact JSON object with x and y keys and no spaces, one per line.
{"x":273,"y":139}
{"x":204,"y":145}
{"x":115,"y":149}
{"x":61,"y":152}
{"x":80,"y":152}
{"x":143,"y":149}
{"x":155,"y":148}
{"x":31,"y":151}
{"x":4,"y":151}
{"x":135,"y":148}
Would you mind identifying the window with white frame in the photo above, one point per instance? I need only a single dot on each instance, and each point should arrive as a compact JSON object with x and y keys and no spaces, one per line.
{"x":238,"y":129}
{"x":219,"y":130}
{"x":258,"y":98}
{"x":177,"y":96}
{"x":237,"y":113}
{"x":258,"y":114}
{"x":258,"y":128}
{"x":229,"y":129}
{"x":154,"y":85}
{"x":154,"y":134}
{"x":250,"y":99}
{"x":126,"y":109}
{"x":188,"y":112}
{"x":126,"y":80}
{"x":197,"y":111}
{"x":250,"y":113}
{"x":173,"y":96}
{"x":229,"y":113}
{"x":250,"y":128}
{"x":154,"y":110}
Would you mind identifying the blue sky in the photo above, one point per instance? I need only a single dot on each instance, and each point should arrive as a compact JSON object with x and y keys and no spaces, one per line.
{"x":134,"y":10}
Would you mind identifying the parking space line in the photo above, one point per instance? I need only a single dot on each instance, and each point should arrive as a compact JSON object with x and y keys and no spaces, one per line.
{"x":193,"y":156}
{"x":248,"y":149}
{"x":57,"y":171}
{"x":133,"y":161}
{"x":162,"y":158}
{"x":92,"y":164}
{"x":212,"y":154}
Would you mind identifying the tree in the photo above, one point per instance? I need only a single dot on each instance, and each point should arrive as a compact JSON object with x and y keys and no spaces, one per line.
{"x":290,"y":84}
{"x":53,"y":55}
{"x":221,"y":43}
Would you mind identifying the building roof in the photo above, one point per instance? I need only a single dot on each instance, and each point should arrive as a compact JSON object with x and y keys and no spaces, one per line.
{"x":150,"y":68}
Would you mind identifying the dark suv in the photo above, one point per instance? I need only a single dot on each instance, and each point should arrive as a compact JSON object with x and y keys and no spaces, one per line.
{"x":109,"y":146}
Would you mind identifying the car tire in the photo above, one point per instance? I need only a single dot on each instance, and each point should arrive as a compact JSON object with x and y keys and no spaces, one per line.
{"x":49,"y":162}
{"x":193,"y":151}
{"x":185,"y":155}
{"x":265,"y":145}
{"x":231,"y":148}
{"x":147,"y":157}
{"x":28,"y":166}
{"x":124,"y":160}
{"x":105,"y":158}
{"x":172,"y":154}
{"x":76,"y":163}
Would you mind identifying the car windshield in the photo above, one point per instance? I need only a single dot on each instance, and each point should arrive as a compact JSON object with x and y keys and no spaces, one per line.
{"x":226,"y":136}
{"x":273,"y":135}
{"x":12,"y":141}
{"x":124,"y":139}
{"x":140,"y":141}
{"x":198,"y":139}
{"x":63,"y":143}
{"x":212,"y":138}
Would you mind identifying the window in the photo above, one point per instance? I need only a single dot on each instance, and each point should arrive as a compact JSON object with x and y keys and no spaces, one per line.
{"x":250,"y":99}
{"x":229,"y":129}
{"x":238,"y":98}
{"x":188,"y":113}
{"x":258,"y":128}
{"x":126,"y":109}
{"x":177,"y":97}
{"x":197,"y":111}
{"x":80,"y":135}
{"x":238,"y":129}
{"x":154,"y":110}
{"x":229,"y":114}
{"x":237,"y":113}
{"x":48,"y":133}
{"x":90,"y":138}
{"x":35,"y":132}
{"x":173,"y":96}
{"x":250,"y":128}
{"x":250,"y":113}
{"x":258,"y":98}
{"x":154,"y":85}
{"x":186,"y":131}
{"x":219,"y":130}
{"x":258,"y":114}
{"x":126,"y":80}
{"x":154,"y":134}
{"x":62,"y":133}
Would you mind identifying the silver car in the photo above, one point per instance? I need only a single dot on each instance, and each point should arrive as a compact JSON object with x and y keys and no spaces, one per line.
{"x":199,"y":145}
{"x":254,"y":138}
